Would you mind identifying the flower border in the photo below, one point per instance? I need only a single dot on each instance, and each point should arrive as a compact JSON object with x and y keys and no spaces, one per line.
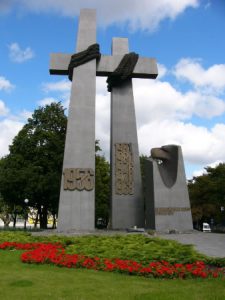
{"x":54,"y":253}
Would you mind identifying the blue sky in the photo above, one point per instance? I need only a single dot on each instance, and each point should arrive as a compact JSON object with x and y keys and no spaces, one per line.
{"x":185,"y":105}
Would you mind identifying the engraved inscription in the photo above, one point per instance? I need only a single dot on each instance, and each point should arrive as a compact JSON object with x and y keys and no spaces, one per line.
{"x":124,"y":171}
{"x":170,"y":210}
{"x":78,"y":179}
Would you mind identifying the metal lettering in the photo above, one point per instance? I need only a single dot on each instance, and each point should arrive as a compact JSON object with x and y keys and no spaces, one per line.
{"x":78,"y":179}
{"x":170,"y":210}
{"x":124,"y":169}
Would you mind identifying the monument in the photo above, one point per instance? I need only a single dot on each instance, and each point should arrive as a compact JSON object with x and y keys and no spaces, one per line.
{"x":167,"y":201}
{"x":127,"y":201}
{"x":77,"y":202}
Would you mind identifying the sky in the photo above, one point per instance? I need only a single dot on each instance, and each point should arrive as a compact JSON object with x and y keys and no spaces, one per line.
{"x":185,"y":105}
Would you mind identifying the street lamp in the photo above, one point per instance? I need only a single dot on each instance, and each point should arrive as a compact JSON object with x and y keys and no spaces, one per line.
{"x":26,"y":201}
{"x":41,"y":216}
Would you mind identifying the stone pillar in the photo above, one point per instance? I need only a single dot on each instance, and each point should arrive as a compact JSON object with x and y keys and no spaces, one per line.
{"x":77,"y":196}
{"x":127,"y":206}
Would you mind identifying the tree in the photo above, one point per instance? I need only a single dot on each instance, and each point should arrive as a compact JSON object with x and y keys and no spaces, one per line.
{"x":5,"y":215}
{"x":33,"y":168}
{"x":102,"y":188}
{"x":207,"y":194}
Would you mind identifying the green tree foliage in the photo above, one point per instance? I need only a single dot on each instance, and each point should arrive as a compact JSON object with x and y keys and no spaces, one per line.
{"x":142,"y":162}
{"x":5,"y":210}
{"x":207,"y":194}
{"x":33,"y":168}
{"x":142,"y":166}
{"x":102,"y":188}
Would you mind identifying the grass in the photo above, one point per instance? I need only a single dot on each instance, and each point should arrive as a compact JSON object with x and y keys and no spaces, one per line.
{"x":136,"y":247}
{"x":132,"y":246}
{"x":29,"y":281}
{"x":22,"y":281}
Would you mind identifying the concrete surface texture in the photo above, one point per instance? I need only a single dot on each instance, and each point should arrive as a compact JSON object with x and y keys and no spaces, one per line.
{"x":77,"y":207}
{"x":145,"y":67}
{"x":127,"y":207}
{"x":167,"y":199}
{"x":211,"y":244}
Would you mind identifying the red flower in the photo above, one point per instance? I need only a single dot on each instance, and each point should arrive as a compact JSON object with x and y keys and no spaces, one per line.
{"x":55,"y":254}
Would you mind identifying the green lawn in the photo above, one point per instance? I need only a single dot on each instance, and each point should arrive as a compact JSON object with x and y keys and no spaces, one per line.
{"x":29,"y":281}
{"x":24,"y":281}
{"x":131,"y":246}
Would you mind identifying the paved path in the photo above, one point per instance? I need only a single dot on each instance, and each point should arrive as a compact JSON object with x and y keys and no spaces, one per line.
{"x":212,"y":244}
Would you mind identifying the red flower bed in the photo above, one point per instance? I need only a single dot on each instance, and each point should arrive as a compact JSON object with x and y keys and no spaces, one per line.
{"x":41,"y":253}
{"x":25,"y":246}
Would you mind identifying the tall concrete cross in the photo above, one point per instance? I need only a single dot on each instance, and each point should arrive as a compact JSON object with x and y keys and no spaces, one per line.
{"x":77,"y":203}
{"x":127,"y":201}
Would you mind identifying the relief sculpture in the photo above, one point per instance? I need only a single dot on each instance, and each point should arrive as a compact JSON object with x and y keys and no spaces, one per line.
{"x":124,"y":172}
{"x":170,"y":210}
{"x":78,"y":179}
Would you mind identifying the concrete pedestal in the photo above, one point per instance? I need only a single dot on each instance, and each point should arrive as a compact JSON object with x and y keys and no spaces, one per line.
{"x":166,"y":195}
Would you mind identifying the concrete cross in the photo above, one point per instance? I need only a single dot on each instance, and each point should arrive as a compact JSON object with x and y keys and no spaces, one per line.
{"x":127,"y":201}
{"x":77,"y":203}
{"x":77,"y":195}
{"x":145,"y":67}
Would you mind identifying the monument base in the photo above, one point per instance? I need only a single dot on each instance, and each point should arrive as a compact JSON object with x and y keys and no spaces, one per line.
{"x":167,"y":201}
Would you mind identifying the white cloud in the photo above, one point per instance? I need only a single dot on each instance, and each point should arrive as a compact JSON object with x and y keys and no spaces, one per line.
{"x":157,"y":100}
{"x":46,"y":101}
{"x":192,"y":71}
{"x":164,"y":117}
{"x":102,"y":125}
{"x":8,"y":130}
{"x":203,"y":171}
{"x":162,"y":71}
{"x":144,"y":15}
{"x":3,"y":109}
{"x":5,"y":84}
{"x":59,"y":86}
{"x":25,"y":114}
{"x":203,"y":106}
{"x":199,"y":144}
{"x":162,"y":113}
{"x":19,"y":55}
